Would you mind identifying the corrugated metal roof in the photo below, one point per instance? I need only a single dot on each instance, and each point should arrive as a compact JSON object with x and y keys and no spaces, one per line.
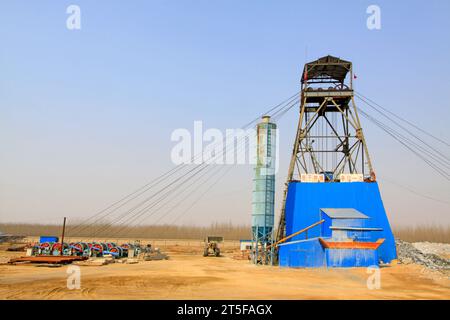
{"x":343,"y":213}
{"x":328,"y":66}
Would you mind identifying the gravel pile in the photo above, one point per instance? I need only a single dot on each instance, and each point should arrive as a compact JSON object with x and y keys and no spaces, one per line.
{"x":440,"y":249}
{"x":408,"y":253}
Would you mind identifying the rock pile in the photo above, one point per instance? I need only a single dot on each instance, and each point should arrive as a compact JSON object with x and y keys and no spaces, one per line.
{"x":408,"y":253}
{"x":440,"y":249}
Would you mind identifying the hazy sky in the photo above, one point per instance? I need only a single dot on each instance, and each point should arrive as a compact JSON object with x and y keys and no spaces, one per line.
{"x":86,"y":115}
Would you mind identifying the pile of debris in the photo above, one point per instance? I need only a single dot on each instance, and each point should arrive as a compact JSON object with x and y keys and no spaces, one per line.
{"x":17,"y":247}
{"x":10,"y":237}
{"x":96,"y":261}
{"x":440,"y":249}
{"x":408,"y":253}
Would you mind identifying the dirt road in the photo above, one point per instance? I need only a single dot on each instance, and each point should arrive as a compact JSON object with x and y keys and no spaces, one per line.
{"x":191,"y":276}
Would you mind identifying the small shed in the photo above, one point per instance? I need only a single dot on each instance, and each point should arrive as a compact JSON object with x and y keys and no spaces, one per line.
{"x":245,"y":245}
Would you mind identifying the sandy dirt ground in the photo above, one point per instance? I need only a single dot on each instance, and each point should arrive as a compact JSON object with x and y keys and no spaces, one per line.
{"x":189,"y":275}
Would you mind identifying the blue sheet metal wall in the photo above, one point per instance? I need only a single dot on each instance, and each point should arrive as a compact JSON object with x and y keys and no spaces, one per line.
{"x":304,"y":201}
{"x":305,"y":253}
{"x":310,"y":254}
{"x":351,"y":258}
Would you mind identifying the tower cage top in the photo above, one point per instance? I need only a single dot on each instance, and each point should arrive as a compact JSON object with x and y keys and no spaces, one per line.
{"x":327,"y":69}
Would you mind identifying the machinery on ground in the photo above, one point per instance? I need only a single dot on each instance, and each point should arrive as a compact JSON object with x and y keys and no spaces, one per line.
{"x":86,"y":249}
{"x":212,"y":246}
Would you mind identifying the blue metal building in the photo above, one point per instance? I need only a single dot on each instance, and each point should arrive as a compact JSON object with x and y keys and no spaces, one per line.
{"x":363,"y":219}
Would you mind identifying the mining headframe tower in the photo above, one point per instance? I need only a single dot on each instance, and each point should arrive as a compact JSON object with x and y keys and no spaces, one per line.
{"x":332,"y":214}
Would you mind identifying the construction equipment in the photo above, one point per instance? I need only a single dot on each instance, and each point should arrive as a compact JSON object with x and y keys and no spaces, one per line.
{"x":80,"y":249}
{"x":212,"y":246}
{"x":44,"y":248}
{"x":59,"y":248}
{"x":85,"y":249}
{"x":153,"y":254}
